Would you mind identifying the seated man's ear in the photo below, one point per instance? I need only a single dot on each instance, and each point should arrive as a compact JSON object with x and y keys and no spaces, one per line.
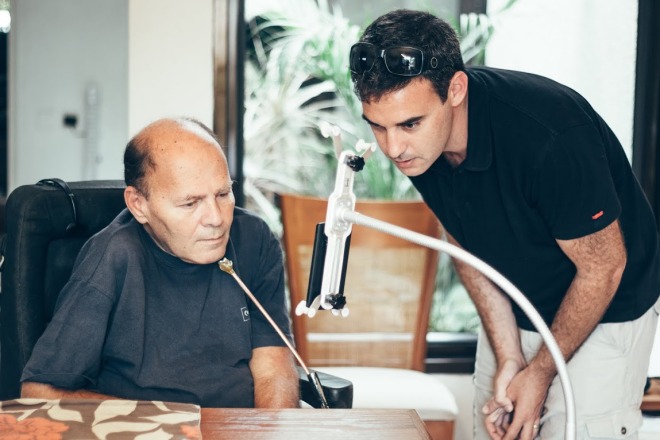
{"x":136,"y":203}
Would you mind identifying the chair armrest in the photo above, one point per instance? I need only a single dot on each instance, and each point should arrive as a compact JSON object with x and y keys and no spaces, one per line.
{"x":338,"y":392}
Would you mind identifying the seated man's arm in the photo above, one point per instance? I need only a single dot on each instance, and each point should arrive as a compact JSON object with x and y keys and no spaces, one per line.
{"x":45,"y":391}
{"x":275,"y":378}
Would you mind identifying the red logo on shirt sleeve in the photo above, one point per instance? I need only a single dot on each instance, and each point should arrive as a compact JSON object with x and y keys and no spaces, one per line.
{"x":597,"y":215}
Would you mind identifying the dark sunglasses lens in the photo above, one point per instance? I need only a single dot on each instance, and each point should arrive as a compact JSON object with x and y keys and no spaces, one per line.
{"x":405,"y":61}
{"x":362,"y":58}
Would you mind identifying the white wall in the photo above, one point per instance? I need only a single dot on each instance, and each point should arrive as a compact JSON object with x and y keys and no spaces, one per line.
{"x":170,"y":58}
{"x":589,"y":45}
{"x":58,"y":50}
{"x":148,"y":58}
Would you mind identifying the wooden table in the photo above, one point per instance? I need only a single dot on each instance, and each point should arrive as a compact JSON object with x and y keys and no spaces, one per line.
{"x":651,"y":402}
{"x":311,"y":424}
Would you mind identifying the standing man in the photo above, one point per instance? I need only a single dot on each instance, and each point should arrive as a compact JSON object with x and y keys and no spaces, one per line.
{"x":148,"y":314}
{"x":524,"y":174}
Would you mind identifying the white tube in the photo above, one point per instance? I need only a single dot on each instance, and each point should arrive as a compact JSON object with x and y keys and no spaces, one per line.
{"x":351,"y":216}
{"x":90,"y":162}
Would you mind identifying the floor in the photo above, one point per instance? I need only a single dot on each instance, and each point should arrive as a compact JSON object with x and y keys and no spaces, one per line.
{"x":650,"y":429}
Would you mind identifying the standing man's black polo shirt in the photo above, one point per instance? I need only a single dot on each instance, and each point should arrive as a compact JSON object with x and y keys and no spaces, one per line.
{"x":542,"y":165}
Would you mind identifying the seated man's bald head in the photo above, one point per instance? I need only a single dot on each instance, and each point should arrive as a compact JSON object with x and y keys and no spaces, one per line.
{"x":159,"y":137}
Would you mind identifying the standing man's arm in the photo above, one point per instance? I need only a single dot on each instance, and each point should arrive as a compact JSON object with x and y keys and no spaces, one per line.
{"x":497,"y":318}
{"x":275,"y":378}
{"x":600,"y":259}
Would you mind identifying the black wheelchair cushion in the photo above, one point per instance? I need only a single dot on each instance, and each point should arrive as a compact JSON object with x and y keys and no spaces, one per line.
{"x":40,"y":249}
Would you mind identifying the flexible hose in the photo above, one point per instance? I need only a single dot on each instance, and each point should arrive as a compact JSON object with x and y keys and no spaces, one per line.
{"x":516,"y":295}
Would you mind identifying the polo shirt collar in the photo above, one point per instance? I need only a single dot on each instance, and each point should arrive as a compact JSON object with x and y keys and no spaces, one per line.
{"x":480,"y":147}
{"x":480,"y":142}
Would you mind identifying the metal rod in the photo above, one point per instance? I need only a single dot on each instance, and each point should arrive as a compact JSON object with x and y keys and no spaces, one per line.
{"x":226,"y":265}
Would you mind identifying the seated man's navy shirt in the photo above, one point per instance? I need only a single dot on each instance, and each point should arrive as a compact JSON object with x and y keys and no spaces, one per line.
{"x":138,"y":323}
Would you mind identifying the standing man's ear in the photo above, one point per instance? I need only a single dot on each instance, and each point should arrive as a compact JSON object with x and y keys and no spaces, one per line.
{"x":136,"y":203}
{"x":458,"y":87}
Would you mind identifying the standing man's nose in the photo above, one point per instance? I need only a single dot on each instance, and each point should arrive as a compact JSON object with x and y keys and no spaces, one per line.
{"x":394,"y":146}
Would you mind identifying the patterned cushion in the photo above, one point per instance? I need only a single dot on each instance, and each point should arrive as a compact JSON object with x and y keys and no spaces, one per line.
{"x":98,"y":419}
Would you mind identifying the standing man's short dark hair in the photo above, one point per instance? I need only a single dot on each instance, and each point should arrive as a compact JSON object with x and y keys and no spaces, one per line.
{"x":403,"y":28}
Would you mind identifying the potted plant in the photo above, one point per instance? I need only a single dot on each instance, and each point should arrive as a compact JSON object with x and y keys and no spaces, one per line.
{"x":297,"y":79}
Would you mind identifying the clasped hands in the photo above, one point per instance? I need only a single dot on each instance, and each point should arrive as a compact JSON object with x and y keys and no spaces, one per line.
{"x":514,"y":411}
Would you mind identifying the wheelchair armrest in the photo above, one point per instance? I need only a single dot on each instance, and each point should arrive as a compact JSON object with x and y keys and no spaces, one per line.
{"x":338,"y":392}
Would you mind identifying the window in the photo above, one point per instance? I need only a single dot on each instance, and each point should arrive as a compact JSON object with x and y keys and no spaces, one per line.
{"x":588,"y":45}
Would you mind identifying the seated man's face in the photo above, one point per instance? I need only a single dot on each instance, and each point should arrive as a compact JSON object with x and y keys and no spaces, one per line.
{"x":190,"y":206}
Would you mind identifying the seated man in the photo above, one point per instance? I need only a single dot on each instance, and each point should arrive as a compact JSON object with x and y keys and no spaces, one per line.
{"x":147,"y":313}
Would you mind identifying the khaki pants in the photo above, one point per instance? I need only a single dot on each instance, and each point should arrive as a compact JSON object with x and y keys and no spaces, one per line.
{"x":607,"y":374}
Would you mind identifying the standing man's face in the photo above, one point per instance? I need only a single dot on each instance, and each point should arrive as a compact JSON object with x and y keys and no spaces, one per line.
{"x":413,"y":127}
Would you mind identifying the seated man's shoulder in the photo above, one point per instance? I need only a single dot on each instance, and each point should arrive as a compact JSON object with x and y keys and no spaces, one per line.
{"x":116,"y":242}
{"x":122,"y":231}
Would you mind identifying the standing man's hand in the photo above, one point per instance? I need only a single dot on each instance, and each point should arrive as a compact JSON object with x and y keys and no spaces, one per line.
{"x":499,"y":408}
{"x":528,"y":391}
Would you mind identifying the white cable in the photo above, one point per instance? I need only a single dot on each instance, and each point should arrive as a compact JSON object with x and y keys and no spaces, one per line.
{"x":347,"y":215}
{"x":91,"y":136}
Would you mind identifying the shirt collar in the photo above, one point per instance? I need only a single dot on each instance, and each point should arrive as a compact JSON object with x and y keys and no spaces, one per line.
{"x":480,"y":142}
{"x":480,"y":147}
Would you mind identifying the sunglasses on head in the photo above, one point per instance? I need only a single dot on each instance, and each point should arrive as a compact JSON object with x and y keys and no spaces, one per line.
{"x":399,"y":60}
